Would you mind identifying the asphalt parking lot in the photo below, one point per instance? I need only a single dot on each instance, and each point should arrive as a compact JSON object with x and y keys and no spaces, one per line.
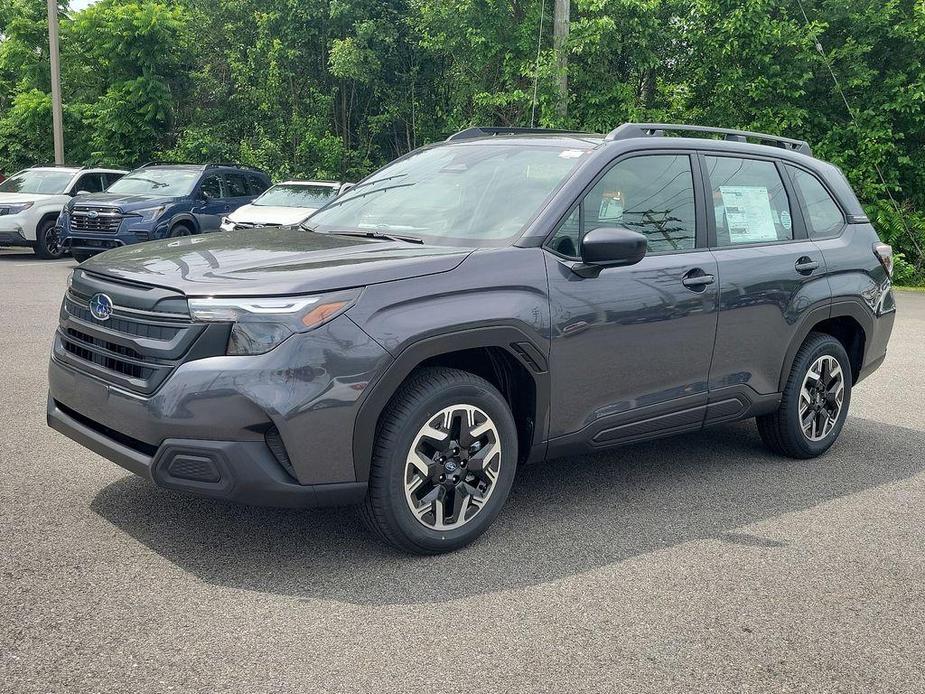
{"x":699,"y":563}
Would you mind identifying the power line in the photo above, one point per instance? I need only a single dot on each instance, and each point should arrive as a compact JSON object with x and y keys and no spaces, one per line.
{"x":825,"y":59}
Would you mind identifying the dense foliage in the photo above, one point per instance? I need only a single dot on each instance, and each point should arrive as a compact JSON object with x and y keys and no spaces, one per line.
{"x":335,"y":88}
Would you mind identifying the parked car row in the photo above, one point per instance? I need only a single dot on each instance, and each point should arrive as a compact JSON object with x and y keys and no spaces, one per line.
{"x":53,"y":209}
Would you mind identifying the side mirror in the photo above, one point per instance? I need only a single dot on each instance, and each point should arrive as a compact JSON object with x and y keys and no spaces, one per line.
{"x":610,"y":247}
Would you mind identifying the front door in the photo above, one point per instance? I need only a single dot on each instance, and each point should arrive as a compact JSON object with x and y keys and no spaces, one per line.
{"x":631,"y":348}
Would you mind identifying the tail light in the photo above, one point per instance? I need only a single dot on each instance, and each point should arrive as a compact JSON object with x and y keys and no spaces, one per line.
{"x":884,"y":253}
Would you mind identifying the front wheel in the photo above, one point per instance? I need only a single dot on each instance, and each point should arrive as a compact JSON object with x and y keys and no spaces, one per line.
{"x":443,"y":464}
{"x":48,"y":244}
{"x":815,"y":401}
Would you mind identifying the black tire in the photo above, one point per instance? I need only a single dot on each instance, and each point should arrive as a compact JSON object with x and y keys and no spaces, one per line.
{"x":418,"y":401}
{"x":47,"y":244}
{"x":81,"y":256}
{"x":180,"y":230}
{"x":781,"y":431}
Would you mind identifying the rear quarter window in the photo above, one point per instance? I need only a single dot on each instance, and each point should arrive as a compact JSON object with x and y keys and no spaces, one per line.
{"x":822,"y":214}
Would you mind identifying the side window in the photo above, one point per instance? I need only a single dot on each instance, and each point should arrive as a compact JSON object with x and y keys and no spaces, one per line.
{"x":89,"y":183}
{"x":823,"y":216}
{"x":750,"y":202}
{"x":651,"y":194}
{"x":255,"y":184}
{"x":565,"y":242}
{"x":110,"y":178}
{"x":235,"y":185}
{"x":211,"y":187}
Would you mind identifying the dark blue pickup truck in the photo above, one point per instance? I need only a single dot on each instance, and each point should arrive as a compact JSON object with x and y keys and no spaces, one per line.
{"x":157,"y":201}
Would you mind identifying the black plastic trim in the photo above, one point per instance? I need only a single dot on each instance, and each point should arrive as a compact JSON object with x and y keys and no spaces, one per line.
{"x":380,"y":392}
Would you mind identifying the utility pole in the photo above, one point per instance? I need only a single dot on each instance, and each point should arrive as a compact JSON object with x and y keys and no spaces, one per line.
{"x":56,"y":110}
{"x":560,"y":28}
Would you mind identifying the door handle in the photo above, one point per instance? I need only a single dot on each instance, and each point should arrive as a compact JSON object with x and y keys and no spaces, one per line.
{"x":697,"y":280}
{"x":806,"y":265}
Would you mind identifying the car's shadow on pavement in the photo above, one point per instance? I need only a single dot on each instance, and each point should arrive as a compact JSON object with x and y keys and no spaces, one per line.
{"x":28,"y":256}
{"x":563,"y":518}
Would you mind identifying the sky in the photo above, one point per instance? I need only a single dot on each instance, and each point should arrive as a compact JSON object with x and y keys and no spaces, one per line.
{"x":80,"y":4}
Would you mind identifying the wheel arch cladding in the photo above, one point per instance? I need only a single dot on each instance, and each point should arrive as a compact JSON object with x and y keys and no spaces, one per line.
{"x":849,"y":322}
{"x":504,"y":356}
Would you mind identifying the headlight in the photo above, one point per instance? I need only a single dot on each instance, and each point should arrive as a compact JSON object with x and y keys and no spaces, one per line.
{"x":150,"y":214}
{"x":70,"y":280}
{"x":17,"y":207}
{"x":260,"y":324}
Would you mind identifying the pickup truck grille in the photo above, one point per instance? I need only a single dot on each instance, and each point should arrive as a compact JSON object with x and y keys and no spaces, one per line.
{"x":136,"y":348}
{"x":96,"y":219}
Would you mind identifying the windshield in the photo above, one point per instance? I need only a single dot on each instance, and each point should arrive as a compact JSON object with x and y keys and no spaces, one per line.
{"x":476,"y":194}
{"x":38,"y":182}
{"x":288,"y":195}
{"x":166,"y":182}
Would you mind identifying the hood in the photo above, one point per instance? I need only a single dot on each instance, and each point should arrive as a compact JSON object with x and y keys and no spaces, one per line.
{"x":124,"y":201}
{"x":271,"y":262}
{"x":270,"y":215}
{"x":15,"y":198}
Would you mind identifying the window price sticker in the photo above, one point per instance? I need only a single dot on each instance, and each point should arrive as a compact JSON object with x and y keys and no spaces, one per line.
{"x":748,"y":214}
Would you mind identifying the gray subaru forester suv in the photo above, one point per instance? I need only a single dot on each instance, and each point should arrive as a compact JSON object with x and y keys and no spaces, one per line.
{"x":502,"y":298}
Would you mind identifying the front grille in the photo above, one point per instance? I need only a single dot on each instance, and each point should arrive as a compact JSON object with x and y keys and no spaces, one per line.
{"x":96,"y":219}
{"x":111,"y":363}
{"x":138,"y":347}
{"x":121,"y":325}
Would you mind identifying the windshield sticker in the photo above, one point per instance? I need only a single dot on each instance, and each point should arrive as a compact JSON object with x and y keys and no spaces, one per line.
{"x":748,"y":214}
{"x":570,"y":153}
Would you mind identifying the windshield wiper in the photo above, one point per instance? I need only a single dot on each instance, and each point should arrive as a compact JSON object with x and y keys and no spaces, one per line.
{"x":337,"y":202}
{"x":377,"y":235}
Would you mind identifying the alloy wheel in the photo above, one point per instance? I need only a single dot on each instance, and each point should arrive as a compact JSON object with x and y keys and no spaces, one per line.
{"x":53,"y":242}
{"x":821,"y":397}
{"x":452,"y":467}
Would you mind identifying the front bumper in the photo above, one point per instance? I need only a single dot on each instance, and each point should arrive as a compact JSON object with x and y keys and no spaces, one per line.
{"x":131,"y":231}
{"x":241,"y":471}
{"x":291,"y":411}
{"x":12,"y":235}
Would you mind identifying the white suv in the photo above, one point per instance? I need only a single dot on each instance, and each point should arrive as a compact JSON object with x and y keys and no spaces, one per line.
{"x":31,"y":200}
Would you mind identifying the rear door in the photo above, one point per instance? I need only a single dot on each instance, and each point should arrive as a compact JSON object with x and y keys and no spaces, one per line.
{"x":237,"y":192}
{"x":631,"y":347}
{"x":770,"y":275}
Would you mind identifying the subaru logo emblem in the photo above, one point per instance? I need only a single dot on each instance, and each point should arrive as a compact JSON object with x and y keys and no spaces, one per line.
{"x":100,"y":306}
{"x":93,"y":214}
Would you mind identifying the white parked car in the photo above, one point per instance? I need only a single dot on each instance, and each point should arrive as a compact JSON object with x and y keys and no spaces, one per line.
{"x":32,"y":199}
{"x":283,"y":204}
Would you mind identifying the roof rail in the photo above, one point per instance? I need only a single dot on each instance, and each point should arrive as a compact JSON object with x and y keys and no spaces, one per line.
{"x":168,"y":163}
{"x":231,"y":165}
{"x":629,"y":130}
{"x":485,"y":131}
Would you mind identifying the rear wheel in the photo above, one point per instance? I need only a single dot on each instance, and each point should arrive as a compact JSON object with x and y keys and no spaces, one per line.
{"x":815,"y":401}
{"x":47,"y":241}
{"x":444,"y":462}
